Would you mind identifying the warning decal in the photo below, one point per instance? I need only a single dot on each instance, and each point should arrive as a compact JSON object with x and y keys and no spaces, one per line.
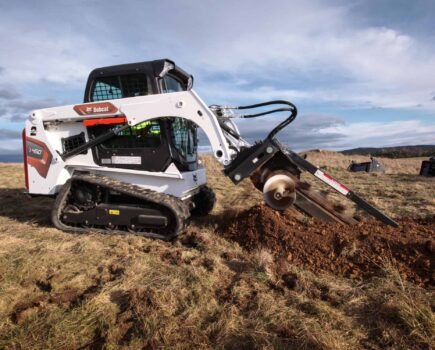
{"x":331,"y":182}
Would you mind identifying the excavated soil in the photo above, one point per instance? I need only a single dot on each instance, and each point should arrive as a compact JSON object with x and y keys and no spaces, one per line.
{"x":358,"y":252}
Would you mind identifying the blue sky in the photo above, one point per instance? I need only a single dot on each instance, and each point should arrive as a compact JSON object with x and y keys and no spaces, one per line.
{"x":362,"y":72}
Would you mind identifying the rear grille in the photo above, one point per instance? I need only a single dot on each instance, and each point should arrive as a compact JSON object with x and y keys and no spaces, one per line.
{"x":72,"y":142}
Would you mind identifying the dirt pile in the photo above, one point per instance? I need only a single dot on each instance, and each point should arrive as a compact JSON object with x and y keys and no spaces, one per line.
{"x":359,"y":251}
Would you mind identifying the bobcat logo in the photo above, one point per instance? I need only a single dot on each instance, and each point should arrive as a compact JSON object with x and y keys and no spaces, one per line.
{"x":92,"y":110}
{"x":96,"y":108}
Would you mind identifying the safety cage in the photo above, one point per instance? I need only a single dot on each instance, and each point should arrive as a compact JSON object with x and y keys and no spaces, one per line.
{"x":151,"y":145}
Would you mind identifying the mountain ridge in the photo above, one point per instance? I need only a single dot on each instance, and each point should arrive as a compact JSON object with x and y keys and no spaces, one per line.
{"x":393,"y":152}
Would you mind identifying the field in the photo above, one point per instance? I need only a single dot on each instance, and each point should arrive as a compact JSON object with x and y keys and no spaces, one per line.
{"x":243,"y":278}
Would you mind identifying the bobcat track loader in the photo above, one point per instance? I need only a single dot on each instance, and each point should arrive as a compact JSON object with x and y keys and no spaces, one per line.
{"x":126,"y":159}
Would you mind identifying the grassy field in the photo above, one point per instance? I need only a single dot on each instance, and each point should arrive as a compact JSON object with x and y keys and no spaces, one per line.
{"x":66,"y":291}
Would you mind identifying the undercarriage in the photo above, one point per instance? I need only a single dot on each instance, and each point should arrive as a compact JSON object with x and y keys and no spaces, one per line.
{"x":99,"y":203}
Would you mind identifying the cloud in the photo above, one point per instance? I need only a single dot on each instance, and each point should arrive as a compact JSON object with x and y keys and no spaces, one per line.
{"x":329,"y":132}
{"x":375,"y":134}
{"x":29,"y":105}
{"x":10,"y":146}
{"x":315,"y":48}
{"x":341,"y":97}
{"x":337,"y":55}
{"x":304,"y":133}
{"x":8,"y":152}
{"x":9,"y":134}
{"x":65,"y":59}
{"x":362,"y":65}
{"x":8,"y":92}
{"x":18,"y":110}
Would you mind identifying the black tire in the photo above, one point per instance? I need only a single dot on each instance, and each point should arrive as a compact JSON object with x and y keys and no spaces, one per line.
{"x":204,"y":202}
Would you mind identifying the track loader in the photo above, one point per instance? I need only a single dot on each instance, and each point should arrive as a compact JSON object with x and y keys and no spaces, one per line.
{"x":126,"y":160}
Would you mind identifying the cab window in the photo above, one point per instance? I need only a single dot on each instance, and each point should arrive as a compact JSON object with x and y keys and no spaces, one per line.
{"x":145,"y":134}
{"x":171,"y":84}
{"x":184,"y":138}
{"x":130,"y":85}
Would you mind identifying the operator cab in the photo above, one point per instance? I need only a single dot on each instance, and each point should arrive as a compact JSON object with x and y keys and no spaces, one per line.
{"x":151,"y":145}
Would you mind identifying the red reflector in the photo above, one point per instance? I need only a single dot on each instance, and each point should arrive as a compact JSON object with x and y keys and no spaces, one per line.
{"x":26,"y":174}
{"x":104,"y":121}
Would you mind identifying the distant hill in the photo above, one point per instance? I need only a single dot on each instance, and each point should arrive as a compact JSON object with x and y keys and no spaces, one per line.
{"x":394,"y":152}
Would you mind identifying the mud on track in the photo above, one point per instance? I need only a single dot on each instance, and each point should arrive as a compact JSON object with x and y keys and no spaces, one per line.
{"x":358,"y":252}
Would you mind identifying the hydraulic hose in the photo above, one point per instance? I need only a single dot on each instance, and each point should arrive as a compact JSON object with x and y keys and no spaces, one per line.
{"x":292,"y":109}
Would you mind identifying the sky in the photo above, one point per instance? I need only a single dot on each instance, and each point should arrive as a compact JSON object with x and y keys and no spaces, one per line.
{"x":361,"y":72}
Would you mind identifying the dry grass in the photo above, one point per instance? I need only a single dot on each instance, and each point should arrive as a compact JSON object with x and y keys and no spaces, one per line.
{"x":400,"y":191}
{"x":338,"y":161}
{"x":65,"y":291}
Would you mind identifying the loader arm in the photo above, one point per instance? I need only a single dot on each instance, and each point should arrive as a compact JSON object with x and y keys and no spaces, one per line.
{"x":185,"y":104}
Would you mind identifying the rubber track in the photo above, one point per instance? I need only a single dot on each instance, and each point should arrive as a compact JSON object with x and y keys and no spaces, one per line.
{"x":179,"y":210}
